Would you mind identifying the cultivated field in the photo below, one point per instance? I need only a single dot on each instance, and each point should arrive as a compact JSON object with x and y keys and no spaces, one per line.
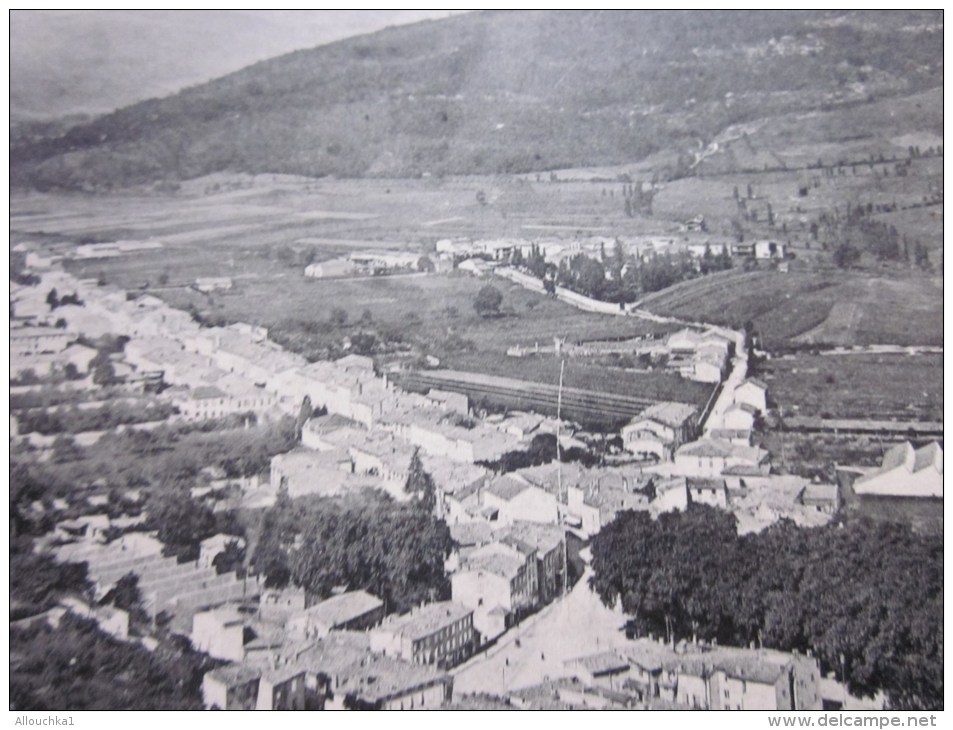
{"x":901,"y":387}
{"x":809,"y":305}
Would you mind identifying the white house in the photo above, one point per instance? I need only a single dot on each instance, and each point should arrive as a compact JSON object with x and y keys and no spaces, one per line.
{"x":706,"y":370}
{"x":660,"y":429}
{"x":220,"y":633}
{"x":713,"y":492}
{"x":753,"y":392}
{"x":671,"y":495}
{"x":496,"y":581}
{"x":37,"y":340}
{"x":768,"y":250}
{"x":906,"y":472}
{"x":740,"y":417}
{"x":515,"y":500}
{"x":710,"y":458}
{"x":231,"y":687}
{"x":477,"y":267}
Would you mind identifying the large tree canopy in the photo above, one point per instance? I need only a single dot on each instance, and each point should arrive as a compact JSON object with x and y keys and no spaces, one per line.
{"x":394,"y":550}
{"x":868,"y":592}
{"x":488,"y":301}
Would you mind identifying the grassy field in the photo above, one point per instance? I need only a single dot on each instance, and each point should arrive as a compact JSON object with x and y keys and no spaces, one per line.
{"x":582,"y":373}
{"x":810,"y":305}
{"x":899,"y":387}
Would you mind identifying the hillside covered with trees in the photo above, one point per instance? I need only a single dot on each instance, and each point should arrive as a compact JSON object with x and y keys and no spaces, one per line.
{"x":497,"y":92}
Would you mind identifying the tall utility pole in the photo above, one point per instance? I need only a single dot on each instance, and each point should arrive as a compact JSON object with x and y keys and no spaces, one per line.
{"x":559,"y":423}
{"x":784,"y":461}
{"x":559,"y":470}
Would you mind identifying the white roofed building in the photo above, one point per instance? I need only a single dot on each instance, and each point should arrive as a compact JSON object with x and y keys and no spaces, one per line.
{"x":906,"y":472}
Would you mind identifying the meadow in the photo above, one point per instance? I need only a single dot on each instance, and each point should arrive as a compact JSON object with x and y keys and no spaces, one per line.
{"x":810,"y":305}
{"x":902,"y":387}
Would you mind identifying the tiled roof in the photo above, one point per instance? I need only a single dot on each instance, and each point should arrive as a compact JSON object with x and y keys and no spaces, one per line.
{"x":338,"y":610}
{"x":233,"y":675}
{"x":427,"y":619}
{"x":505,"y":566}
{"x":541,"y":537}
{"x":382,"y":678}
{"x":601,"y":663}
{"x":507,"y":487}
{"x":471,"y":533}
{"x":669,"y":413}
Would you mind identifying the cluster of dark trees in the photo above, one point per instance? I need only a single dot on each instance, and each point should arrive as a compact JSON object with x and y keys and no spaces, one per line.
{"x":637,"y":200}
{"x":542,"y":450}
{"x":294,"y":257}
{"x":78,"y":420}
{"x":394,"y":550}
{"x":534,"y":262}
{"x":54,"y":300}
{"x":865,"y":597}
{"x":37,"y":581}
{"x":78,"y":666}
{"x":126,"y":596}
{"x":621,"y":278}
{"x":858,"y":232}
{"x":326,"y":339}
{"x":182,"y":522}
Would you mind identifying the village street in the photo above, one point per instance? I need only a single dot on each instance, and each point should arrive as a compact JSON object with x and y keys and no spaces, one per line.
{"x":736,"y":376}
{"x":573,"y":626}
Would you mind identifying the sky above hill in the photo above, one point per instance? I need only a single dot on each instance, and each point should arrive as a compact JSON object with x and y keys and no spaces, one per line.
{"x":81,"y":61}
